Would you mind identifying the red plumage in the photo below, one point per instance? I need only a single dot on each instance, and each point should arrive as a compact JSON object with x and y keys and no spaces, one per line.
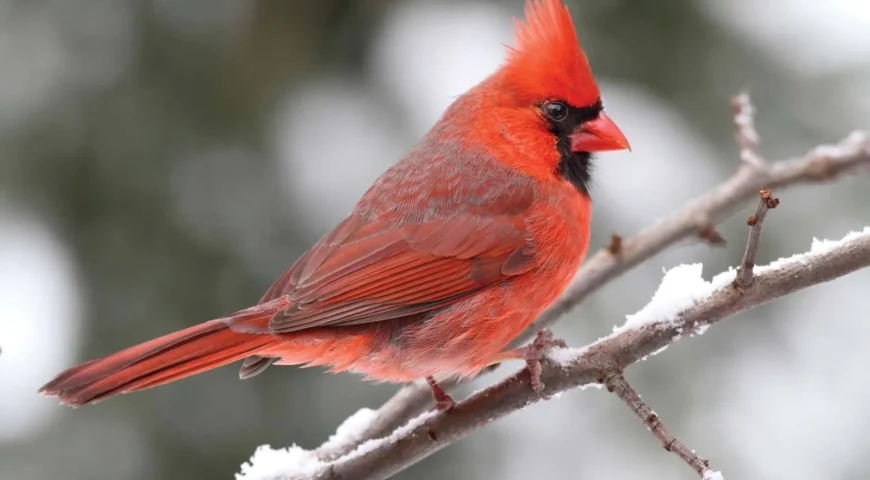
{"x":447,"y":258}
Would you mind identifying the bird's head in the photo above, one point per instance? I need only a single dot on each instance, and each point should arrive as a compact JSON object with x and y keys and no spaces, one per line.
{"x":545,"y":100}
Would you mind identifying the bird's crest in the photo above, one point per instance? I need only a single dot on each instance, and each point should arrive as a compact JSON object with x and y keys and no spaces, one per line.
{"x":547,"y":60}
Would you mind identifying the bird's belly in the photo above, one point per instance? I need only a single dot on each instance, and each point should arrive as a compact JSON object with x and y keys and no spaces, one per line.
{"x":459,"y":340}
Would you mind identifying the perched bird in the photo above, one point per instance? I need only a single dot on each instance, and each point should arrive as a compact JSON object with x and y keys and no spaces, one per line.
{"x":449,"y":255}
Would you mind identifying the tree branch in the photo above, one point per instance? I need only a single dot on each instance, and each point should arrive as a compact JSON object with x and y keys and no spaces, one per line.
{"x":617,"y":384}
{"x":643,"y":335}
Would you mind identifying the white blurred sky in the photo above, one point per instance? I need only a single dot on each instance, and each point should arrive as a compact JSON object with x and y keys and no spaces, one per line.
{"x":808,"y":36}
{"x":40,"y":321}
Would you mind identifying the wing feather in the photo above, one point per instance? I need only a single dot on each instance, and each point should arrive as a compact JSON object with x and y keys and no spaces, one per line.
{"x":369,"y":272}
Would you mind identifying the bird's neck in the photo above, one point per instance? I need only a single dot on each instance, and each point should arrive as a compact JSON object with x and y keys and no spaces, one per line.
{"x":574,"y":167}
{"x":479,"y":121}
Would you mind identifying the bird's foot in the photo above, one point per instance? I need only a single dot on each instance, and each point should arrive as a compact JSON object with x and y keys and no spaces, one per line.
{"x":443,"y":400}
{"x":534,"y":352}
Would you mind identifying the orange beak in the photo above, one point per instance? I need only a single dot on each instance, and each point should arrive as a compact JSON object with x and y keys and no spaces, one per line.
{"x":599,"y":135}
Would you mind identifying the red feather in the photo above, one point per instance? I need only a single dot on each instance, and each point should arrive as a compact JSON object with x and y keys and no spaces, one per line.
{"x":445,"y":260}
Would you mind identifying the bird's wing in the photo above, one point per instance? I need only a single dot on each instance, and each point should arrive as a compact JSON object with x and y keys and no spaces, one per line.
{"x":366,"y":272}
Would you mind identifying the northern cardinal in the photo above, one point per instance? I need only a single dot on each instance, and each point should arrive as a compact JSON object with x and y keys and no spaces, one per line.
{"x":449,"y":255}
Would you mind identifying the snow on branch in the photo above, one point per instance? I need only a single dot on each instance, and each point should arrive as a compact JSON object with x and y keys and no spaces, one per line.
{"x":684,"y":305}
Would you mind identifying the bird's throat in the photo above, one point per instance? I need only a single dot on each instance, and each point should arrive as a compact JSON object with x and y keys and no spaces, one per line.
{"x":574,"y":166}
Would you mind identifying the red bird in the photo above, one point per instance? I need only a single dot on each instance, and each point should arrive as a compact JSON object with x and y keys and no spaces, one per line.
{"x":446,"y":259}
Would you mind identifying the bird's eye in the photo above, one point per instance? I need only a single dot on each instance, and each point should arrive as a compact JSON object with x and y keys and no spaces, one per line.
{"x":557,"y":111}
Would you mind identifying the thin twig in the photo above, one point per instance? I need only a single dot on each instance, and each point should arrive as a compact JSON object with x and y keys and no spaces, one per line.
{"x":744,"y":129}
{"x":755,"y":222}
{"x":617,"y":384}
{"x":823,"y":163}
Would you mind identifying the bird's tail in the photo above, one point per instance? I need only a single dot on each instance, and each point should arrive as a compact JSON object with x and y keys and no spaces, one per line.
{"x":166,"y":359}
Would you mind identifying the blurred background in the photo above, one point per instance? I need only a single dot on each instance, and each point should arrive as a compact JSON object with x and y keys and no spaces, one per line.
{"x":161,"y":162}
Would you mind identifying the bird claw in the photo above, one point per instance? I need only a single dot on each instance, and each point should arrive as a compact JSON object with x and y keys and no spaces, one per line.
{"x":545,"y":340}
{"x":534,"y":352}
{"x":443,"y":400}
{"x":445,"y":404}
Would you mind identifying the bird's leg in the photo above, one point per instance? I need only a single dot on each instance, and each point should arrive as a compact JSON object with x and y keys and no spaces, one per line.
{"x":443,"y":400}
{"x":532,"y":354}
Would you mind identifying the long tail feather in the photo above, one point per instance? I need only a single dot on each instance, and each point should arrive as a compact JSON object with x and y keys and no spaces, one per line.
{"x":165,"y":359}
